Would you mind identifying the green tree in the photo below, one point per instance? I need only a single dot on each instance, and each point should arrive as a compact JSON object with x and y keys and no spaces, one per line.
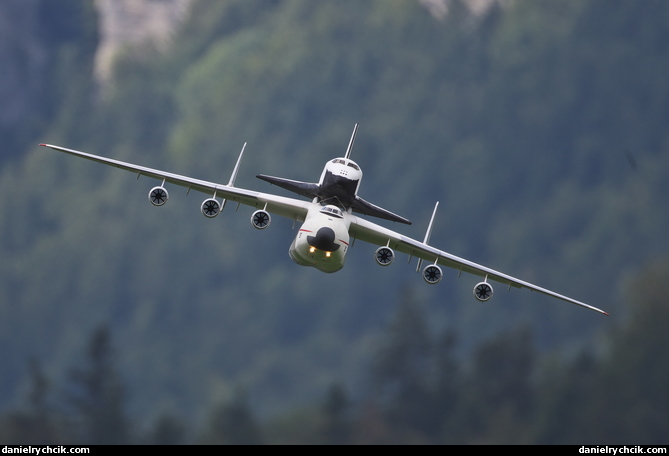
{"x":232,"y":423}
{"x":167,"y":430}
{"x":441,"y":414}
{"x":38,"y":423}
{"x":400,"y":370}
{"x":631,"y":399}
{"x":336,"y":427}
{"x":620,"y":396}
{"x":565,"y":392}
{"x":97,"y":395}
{"x":498,"y":391}
{"x":403,"y":373}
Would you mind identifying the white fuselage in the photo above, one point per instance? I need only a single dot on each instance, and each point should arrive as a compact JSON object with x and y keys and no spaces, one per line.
{"x":323,"y":240}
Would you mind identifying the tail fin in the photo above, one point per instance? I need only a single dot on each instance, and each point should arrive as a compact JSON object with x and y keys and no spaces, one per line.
{"x":236,"y":170}
{"x":233,"y":177}
{"x":350,"y":143}
{"x":428,"y":234}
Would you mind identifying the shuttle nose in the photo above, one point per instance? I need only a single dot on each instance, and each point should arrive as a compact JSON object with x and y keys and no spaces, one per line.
{"x":324,"y":240}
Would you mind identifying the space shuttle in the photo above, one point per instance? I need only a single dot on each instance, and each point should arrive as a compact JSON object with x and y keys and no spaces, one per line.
{"x":338,"y":186}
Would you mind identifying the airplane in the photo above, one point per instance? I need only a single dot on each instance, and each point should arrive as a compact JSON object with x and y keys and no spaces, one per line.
{"x":329,"y":224}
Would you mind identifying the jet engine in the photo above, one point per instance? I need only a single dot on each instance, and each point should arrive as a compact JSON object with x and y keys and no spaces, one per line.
{"x":158,"y":196}
{"x":384,"y":256}
{"x":432,"y":274}
{"x":210,"y":208}
{"x":483,"y":291}
{"x":261,"y":219}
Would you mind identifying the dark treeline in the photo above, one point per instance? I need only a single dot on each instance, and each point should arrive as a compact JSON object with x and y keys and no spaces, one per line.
{"x":419,"y":392}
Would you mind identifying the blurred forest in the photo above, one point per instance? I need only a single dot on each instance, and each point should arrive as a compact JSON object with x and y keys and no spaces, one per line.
{"x":539,"y":126}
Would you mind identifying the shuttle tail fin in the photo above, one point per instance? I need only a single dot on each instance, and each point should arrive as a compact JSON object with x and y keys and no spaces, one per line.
{"x":350,"y":143}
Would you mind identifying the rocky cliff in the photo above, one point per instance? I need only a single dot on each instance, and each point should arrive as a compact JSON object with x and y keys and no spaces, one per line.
{"x":129,"y":24}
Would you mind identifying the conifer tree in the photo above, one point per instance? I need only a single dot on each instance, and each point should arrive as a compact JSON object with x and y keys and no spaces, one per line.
{"x":97,"y":394}
{"x":400,"y":371}
{"x":232,"y":423}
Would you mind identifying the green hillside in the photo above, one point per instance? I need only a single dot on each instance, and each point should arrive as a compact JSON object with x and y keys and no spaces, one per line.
{"x":540,"y":127}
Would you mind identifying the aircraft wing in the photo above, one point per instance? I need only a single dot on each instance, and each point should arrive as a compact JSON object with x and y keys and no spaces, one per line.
{"x":367,"y":231}
{"x":279,"y":205}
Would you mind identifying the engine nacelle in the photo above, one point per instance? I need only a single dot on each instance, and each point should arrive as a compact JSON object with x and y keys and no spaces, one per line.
{"x":483,"y":291}
{"x":432,"y":274}
{"x":261,"y":219}
{"x":210,"y":208}
{"x":384,"y":256}
{"x":158,"y":196}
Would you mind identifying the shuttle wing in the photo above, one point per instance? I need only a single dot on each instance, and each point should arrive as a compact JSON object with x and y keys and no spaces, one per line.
{"x":309,"y":190}
{"x":301,"y":188}
{"x":366,"y":208}
{"x":370,"y":232}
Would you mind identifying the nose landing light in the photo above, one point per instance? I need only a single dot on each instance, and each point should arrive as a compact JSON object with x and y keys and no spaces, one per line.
{"x":324,"y":240}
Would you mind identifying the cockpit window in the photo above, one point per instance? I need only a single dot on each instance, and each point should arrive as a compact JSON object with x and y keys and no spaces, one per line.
{"x":347,"y":163}
{"x":331,"y":210}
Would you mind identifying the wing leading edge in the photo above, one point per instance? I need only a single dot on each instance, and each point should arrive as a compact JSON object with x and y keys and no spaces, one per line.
{"x":374,"y":234}
{"x":287,"y":207}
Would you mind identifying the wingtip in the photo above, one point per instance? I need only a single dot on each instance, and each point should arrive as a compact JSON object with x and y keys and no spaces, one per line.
{"x":42,"y":144}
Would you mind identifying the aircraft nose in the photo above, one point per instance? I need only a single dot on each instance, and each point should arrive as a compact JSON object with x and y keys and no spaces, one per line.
{"x":324,"y":240}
